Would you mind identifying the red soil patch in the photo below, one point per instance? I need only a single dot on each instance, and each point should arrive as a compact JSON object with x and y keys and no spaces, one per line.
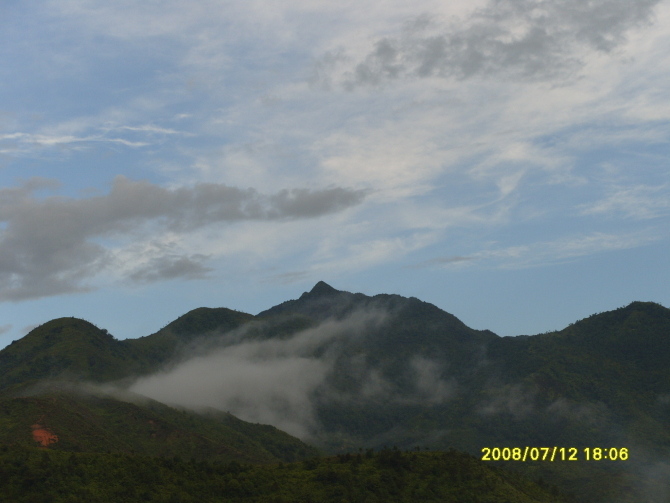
{"x":43,"y":436}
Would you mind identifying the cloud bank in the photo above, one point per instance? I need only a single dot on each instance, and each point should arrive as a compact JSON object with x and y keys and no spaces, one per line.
{"x":50,"y":246}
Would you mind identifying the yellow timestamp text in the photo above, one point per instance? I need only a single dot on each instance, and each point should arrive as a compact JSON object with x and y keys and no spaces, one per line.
{"x":554,"y":454}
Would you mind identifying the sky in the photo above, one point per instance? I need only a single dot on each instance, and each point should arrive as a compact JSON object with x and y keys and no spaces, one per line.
{"x":505,"y":160}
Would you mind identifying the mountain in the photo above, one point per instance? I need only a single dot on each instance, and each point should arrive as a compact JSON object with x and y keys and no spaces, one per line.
{"x":76,"y":349}
{"x":366,"y":371}
{"x":65,"y":346}
{"x":59,"y":389}
{"x":388,"y":330}
{"x":156,"y":349}
{"x":601,"y":382}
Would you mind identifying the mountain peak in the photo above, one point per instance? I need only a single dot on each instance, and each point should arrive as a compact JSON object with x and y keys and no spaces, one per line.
{"x":321,"y":289}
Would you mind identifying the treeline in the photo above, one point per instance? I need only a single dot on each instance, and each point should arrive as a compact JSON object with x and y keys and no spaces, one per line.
{"x":44,"y":476}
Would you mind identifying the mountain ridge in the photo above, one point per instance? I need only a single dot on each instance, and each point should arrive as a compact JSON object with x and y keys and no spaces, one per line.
{"x":401,"y":371}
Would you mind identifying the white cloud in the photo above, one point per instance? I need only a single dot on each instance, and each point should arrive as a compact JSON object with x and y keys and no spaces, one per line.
{"x":149,"y":128}
{"x":637,"y":202}
{"x":544,"y":253}
{"x":568,"y":248}
{"x":397,"y":162}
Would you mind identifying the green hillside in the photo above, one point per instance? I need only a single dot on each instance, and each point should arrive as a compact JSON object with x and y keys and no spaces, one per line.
{"x":617,"y":362}
{"x":70,"y":348}
{"x":48,"y":378}
{"x":65,"y":347}
{"x":88,"y":422}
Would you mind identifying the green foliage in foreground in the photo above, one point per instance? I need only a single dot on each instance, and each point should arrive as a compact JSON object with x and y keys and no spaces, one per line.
{"x":41,"y":475}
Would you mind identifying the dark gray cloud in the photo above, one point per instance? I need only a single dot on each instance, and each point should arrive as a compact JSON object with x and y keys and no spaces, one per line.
{"x":309,"y":203}
{"x":171,"y":267}
{"x":524,"y":38}
{"x":5,"y":329}
{"x":47,"y":247}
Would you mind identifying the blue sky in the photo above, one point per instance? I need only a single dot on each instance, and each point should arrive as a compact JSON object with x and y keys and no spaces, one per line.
{"x":505,"y":160}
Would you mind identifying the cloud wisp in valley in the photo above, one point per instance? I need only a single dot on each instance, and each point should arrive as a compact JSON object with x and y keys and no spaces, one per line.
{"x":283,"y":381}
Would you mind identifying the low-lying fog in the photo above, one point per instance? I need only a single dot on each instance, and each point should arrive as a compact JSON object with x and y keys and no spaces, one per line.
{"x":275,"y":381}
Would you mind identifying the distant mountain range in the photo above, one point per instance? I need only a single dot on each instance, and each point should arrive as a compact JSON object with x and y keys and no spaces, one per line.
{"x":346,"y":371}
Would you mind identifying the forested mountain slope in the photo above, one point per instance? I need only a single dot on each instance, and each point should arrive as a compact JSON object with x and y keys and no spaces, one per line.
{"x":385,"y":370}
{"x":50,"y":383}
{"x":601,"y":382}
